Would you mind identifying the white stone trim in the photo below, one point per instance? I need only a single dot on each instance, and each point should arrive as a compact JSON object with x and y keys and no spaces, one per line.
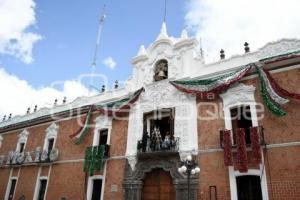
{"x":254,"y":172}
{"x":9,"y":184}
{"x":157,"y":96}
{"x":37,"y":183}
{"x":101,"y":123}
{"x":91,"y":183}
{"x":22,"y":138}
{"x":51,"y":133}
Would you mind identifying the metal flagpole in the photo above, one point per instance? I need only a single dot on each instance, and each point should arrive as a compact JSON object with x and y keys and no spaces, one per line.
{"x":99,"y":33}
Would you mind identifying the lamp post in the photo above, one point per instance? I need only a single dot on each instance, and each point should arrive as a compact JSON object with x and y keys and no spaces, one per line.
{"x":188,"y":167}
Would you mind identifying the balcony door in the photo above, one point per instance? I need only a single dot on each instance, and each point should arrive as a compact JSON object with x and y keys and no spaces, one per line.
{"x":158,"y":185}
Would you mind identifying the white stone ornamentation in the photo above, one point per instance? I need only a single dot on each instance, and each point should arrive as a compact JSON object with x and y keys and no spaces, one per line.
{"x":52,"y":130}
{"x":22,"y":137}
{"x":278,"y":47}
{"x":161,"y":95}
{"x":240,"y":94}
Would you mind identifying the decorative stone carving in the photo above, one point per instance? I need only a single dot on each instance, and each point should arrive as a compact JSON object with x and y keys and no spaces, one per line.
{"x":102,"y":122}
{"x":51,"y":131}
{"x":238,"y":94}
{"x":163,"y":95}
{"x":23,"y":136}
{"x":278,"y":47}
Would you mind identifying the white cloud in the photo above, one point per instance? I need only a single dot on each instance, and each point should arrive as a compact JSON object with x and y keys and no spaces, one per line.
{"x":109,"y":62}
{"x":16,"y":17}
{"x":228,"y":24}
{"x":18,"y":95}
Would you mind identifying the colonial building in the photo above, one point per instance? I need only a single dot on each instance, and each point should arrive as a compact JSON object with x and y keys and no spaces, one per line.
{"x":236,"y":119}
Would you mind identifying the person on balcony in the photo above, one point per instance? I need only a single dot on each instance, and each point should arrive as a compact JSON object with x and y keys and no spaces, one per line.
{"x":166,"y":143}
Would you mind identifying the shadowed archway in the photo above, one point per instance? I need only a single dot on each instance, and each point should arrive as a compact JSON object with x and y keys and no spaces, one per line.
{"x":133,"y":180}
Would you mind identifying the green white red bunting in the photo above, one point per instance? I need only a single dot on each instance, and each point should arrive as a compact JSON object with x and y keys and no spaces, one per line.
{"x":116,"y":108}
{"x":206,"y":88}
{"x":272,"y":94}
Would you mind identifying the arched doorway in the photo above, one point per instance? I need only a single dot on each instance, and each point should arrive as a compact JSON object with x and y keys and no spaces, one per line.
{"x":158,"y":185}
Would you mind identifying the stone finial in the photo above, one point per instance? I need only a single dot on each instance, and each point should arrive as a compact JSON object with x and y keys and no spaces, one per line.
{"x":142,"y":51}
{"x":35,"y":108}
{"x":64,"y":100}
{"x":55,"y":102}
{"x":4,"y":118}
{"x":28,"y":111}
{"x":247,"y":48}
{"x":116,"y":84}
{"x":10,"y":115}
{"x":184,"y":34}
{"x":103,"y":88}
{"x":222,"y":54}
{"x":163,"y":31}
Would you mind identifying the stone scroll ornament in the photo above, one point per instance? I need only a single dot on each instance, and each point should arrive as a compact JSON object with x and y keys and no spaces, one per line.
{"x":273,"y":95}
{"x":116,"y":108}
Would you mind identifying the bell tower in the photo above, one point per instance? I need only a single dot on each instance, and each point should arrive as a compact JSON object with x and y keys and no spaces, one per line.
{"x":167,"y":58}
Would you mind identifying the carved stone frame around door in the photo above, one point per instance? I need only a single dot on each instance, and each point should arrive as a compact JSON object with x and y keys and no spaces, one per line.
{"x":133,"y":180}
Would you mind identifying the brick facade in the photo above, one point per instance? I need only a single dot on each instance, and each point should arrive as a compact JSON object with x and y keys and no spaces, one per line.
{"x":67,"y":179}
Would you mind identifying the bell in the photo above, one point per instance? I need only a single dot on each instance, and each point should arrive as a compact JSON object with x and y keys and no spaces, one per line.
{"x":161,"y":74}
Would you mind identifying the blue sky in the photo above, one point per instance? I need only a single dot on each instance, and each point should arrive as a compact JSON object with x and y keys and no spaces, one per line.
{"x":68,"y":29}
{"x":46,"y":45}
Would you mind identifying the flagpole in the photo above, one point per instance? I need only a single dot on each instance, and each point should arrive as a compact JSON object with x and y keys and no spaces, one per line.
{"x":99,"y":33}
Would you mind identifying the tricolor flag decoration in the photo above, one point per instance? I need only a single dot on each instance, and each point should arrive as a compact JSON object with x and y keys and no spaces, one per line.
{"x":120,"y":107}
{"x":83,"y":131}
{"x":111,"y":109}
{"x":273,"y":95}
{"x":211,"y":87}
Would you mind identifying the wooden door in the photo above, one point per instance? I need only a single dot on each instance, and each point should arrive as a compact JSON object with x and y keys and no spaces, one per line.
{"x":158,"y":185}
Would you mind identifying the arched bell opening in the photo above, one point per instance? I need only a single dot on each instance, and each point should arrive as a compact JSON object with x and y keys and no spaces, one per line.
{"x":161,"y":70}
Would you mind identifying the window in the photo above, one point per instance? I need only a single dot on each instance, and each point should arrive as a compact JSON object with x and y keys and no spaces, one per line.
{"x":11,"y":193}
{"x":21,"y":148}
{"x":103,"y":136}
{"x":241,"y":118}
{"x":97,"y":188}
{"x":161,"y":70}
{"x":50,"y":144}
{"x":249,"y":187}
{"x":42,"y":189}
{"x":22,"y":141}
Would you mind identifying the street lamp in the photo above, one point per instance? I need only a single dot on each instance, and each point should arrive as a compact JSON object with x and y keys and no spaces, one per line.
{"x":188,"y":167}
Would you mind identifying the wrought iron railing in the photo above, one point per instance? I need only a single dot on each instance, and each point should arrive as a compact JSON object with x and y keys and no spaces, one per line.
{"x":233,"y":134}
{"x":167,"y":145}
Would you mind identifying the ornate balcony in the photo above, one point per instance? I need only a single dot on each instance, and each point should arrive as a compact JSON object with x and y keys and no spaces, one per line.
{"x":248,"y":138}
{"x":166,"y":147}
